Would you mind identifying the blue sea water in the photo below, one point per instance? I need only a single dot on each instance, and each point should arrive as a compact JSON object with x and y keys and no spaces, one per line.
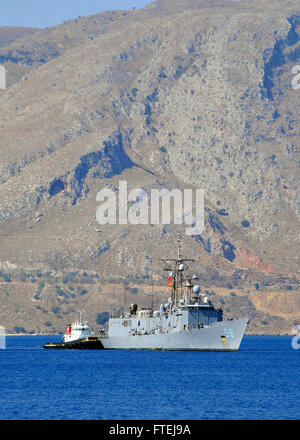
{"x":261,"y":381}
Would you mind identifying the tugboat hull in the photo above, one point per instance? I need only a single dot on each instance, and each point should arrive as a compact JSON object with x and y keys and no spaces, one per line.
{"x":84,"y":344}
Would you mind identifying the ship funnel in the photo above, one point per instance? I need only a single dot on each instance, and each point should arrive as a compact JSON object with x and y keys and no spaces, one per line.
{"x":133,"y":309}
{"x":69,"y":330}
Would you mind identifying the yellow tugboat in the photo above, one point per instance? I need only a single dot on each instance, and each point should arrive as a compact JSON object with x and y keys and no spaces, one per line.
{"x":78,"y":336}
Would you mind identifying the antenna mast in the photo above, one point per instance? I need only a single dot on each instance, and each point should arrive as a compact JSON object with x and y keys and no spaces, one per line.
{"x":179,"y":245}
{"x":152,"y":297}
{"x":124,"y":301}
{"x":113,"y":307}
{"x":176,"y":267}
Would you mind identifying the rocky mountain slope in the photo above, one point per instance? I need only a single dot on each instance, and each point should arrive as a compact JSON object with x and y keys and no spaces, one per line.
{"x":180,"y":94}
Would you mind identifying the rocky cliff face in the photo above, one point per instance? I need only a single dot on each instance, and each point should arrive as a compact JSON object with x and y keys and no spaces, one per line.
{"x":180,"y":94}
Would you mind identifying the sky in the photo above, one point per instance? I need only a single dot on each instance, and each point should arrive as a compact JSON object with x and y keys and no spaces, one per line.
{"x":44,"y":13}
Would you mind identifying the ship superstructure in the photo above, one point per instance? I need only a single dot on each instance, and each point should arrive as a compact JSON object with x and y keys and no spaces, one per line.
{"x":187,"y":321}
{"x":77,"y":331}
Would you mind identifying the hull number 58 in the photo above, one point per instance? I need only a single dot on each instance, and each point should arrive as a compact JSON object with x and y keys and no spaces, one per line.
{"x":228,"y":333}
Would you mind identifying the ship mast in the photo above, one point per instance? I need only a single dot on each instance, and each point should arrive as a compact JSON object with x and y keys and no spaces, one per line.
{"x":176,"y":266}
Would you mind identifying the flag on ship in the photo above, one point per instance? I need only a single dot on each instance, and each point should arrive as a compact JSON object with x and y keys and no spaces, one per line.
{"x":170,"y":283}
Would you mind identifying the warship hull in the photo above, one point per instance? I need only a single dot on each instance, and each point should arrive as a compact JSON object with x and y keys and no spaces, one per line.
{"x":221,"y":336}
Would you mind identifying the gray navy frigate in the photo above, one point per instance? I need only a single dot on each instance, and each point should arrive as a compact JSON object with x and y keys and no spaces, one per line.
{"x":188,"y":321}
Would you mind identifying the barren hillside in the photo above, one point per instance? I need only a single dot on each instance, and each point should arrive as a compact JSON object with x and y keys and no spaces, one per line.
{"x":180,"y":94}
